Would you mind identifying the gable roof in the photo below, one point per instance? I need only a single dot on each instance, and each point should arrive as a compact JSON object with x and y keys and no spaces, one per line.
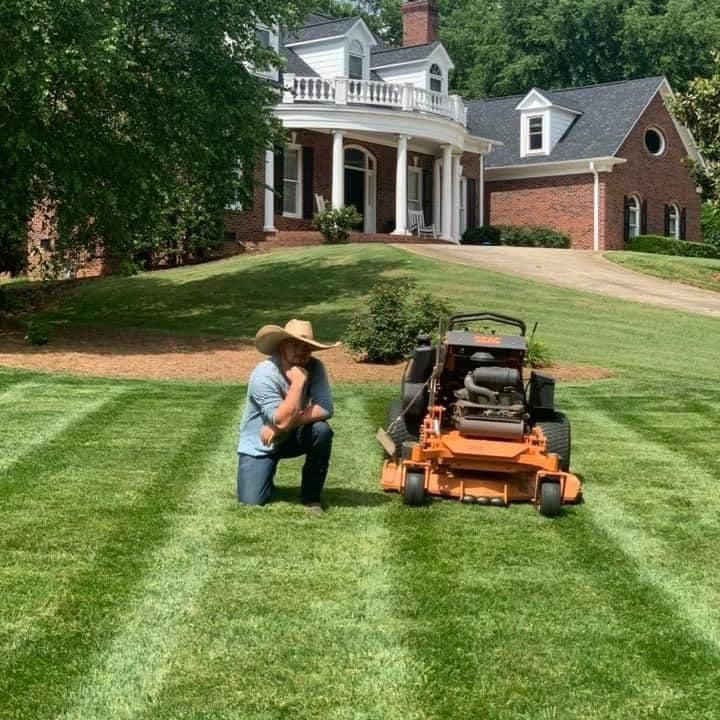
{"x":394,"y":56}
{"x":295,"y":64}
{"x":323,"y":29}
{"x":608,"y":113}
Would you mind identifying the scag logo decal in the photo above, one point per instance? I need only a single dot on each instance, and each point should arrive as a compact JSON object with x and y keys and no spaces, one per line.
{"x":488,"y":340}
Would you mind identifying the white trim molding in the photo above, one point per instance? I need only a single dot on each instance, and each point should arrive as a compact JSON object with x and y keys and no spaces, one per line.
{"x":552,"y":169}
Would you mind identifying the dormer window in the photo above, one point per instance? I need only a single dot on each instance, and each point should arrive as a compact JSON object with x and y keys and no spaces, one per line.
{"x":262,"y":37}
{"x":436,"y":78}
{"x":356,"y":66}
{"x":535,"y":134}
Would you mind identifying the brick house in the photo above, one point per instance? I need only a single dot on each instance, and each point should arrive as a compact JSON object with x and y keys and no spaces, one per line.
{"x":376,"y":127}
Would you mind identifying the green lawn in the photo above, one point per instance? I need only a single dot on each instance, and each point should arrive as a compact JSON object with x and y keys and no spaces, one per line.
{"x":700,"y":272}
{"x":133,"y":586}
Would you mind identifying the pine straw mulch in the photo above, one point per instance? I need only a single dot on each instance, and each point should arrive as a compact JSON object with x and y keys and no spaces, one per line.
{"x":141,"y":355}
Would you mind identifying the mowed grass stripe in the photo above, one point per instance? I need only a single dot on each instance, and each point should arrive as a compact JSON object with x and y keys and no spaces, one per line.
{"x":295,"y":621}
{"x":109,"y":540}
{"x":664,"y":491}
{"x":33,"y":426}
{"x":127,"y":677}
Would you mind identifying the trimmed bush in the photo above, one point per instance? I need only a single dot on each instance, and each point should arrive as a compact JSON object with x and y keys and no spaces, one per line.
{"x":335,"y":224}
{"x":386,"y":329}
{"x":710,"y":224}
{"x":669,"y":246}
{"x":538,"y":354}
{"x":517,"y":235}
{"x":486,"y":235}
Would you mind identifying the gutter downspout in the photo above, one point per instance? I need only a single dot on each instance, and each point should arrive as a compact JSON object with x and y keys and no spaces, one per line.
{"x":596,"y":207}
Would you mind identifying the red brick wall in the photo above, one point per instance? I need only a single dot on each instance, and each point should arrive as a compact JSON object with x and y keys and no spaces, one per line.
{"x":420,"y":22}
{"x":659,"y":180}
{"x":564,"y":203}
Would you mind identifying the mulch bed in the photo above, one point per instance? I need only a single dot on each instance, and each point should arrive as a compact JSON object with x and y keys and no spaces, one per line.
{"x":142,"y":355}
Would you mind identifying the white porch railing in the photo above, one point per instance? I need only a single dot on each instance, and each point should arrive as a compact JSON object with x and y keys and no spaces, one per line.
{"x":343,"y":91}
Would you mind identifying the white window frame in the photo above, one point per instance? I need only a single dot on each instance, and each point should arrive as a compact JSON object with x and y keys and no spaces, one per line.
{"x":436,"y":76}
{"x":636,"y":211}
{"x":419,"y":200}
{"x":663,"y":142}
{"x":236,"y":205}
{"x":298,"y":181}
{"x":356,"y":50}
{"x":673,"y":209}
{"x":528,"y":123}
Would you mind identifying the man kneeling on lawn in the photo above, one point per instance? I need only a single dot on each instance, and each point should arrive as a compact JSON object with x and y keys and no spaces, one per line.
{"x":288,"y":405}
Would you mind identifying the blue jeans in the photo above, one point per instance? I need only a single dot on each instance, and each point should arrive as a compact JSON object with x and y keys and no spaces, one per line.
{"x":255,"y":474}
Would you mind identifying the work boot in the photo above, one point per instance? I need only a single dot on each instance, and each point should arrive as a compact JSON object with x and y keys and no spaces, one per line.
{"x":314,"y":508}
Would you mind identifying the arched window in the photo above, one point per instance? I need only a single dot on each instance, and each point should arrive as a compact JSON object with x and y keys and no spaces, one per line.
{"x":673,"y":221}
{"x":356,"y":64}
{"x":634,"y":211}
{"x":436,"y":78}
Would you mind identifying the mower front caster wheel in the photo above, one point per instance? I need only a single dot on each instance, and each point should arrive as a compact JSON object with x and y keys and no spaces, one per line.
{"x":550,"y":499}
{"x":414,"y":490}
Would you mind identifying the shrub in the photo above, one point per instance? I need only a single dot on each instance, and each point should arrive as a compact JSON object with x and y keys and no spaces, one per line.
{"x":669,"y":246}
{"x":518,"y":235}
{"x":396,"y":313}
{"x":485,"y":235}
{"x":37,"y":333}
{"x":538,"y":354}
{"x":710,"y":224}
{"x":335,"y":223}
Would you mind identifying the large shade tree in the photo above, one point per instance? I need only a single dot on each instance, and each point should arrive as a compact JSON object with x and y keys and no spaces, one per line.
{"x":126,"y":120}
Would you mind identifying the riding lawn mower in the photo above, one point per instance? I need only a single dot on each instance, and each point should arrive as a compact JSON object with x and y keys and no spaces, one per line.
{"x":467,"y":426}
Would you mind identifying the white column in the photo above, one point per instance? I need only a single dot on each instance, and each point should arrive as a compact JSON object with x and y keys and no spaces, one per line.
{"x":437,"y":190}
{"x":457,"y":173}
{"x":401,"y":187}
{"x":481,"y":193}
{"x":269,"y":194}
{"x":596,"y":207}
{"x":338,"y":171}
{"x":447,"y":186}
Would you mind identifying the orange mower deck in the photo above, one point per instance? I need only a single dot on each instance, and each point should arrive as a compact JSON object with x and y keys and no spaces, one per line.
{"x":496,"y":472}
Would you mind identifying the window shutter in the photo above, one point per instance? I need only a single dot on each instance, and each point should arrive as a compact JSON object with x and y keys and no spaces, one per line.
{"x":643,"y":218}
{"x":427,"y":193}
{"x":308,"y":173}
{"x":626,"y":219}
{"x":279,"y":178}
{"x":683,"y":224}
{"x":666,"y":232}
{"x":471,"y":203}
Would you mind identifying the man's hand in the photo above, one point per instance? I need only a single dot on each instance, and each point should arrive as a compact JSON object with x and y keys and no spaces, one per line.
{"x":268,"y":435}
{"x":297,"y":374}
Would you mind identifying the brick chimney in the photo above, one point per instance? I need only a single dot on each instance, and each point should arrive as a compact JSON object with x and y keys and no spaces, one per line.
{"x":420,"y":22}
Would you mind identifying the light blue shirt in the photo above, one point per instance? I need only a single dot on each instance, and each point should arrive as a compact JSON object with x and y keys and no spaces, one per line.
{"x":267,"y":388}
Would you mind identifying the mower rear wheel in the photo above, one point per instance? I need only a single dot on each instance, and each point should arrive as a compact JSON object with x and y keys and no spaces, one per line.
{"x":414,"y":490}
{"x":550,"y":499}
{"x":399,"y":430}
{"x":556,"y":428}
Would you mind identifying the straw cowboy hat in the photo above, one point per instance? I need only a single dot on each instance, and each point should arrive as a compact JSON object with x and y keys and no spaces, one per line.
{"x":268,"y":338}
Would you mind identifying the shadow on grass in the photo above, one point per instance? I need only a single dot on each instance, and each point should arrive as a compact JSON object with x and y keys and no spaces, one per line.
{"x":335,"y":497}
{"x":234,"y":302}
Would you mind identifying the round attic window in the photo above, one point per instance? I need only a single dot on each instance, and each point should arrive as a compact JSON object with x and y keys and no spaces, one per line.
{"x":654,"y":141}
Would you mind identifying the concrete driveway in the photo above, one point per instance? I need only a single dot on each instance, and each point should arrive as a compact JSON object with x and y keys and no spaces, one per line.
{"x":579,"y":270}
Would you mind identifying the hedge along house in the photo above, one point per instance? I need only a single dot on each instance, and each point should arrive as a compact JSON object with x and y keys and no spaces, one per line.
{"x":601,"y":163}
{"x":370,"y":126}
{"x":376,"y":127}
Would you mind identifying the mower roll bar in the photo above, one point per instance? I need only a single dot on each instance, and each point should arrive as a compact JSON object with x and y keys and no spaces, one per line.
{"x":456,"y":320}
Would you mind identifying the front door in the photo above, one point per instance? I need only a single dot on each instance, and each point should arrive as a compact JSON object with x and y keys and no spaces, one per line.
{"x":355,"y":189}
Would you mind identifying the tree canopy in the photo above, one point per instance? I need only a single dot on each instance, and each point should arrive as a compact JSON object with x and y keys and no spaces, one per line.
{"x":128,"y":119}
{"x":504,"y":47}
{"x":699,"y":109}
